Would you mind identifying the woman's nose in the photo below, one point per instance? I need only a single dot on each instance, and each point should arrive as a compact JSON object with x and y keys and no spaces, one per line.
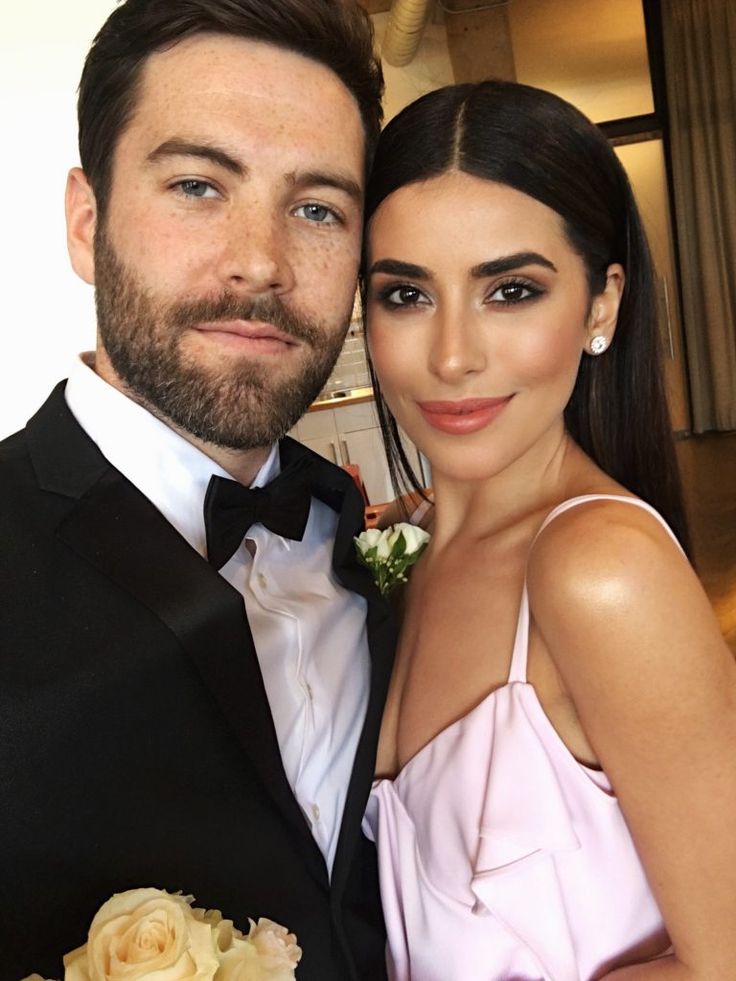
{"x":457,"y":348}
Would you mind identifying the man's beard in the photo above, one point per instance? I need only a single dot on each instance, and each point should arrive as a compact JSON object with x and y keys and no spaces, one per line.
{"x":237,"y":406}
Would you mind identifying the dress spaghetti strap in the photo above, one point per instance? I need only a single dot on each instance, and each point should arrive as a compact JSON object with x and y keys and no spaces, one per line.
{"x":520,"y":654}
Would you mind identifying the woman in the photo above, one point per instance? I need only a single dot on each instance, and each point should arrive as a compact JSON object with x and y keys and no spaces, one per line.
{"x":556,"y":776}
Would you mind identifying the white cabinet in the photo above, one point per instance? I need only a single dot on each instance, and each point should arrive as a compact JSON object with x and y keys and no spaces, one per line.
{"x":350,"y":434}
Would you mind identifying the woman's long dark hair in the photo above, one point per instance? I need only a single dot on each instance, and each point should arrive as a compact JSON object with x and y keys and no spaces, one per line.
{"x":540,"y":145}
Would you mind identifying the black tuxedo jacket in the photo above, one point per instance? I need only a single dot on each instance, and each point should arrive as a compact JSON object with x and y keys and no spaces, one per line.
{"x":136,"y":743}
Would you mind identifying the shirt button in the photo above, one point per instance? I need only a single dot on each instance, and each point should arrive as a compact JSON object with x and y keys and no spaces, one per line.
{"x":262,"y":581}
{"x":315,"y":812}
{"x":310,"y":692}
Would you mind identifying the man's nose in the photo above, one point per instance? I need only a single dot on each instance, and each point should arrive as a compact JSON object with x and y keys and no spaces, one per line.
{"x":255,"y":257}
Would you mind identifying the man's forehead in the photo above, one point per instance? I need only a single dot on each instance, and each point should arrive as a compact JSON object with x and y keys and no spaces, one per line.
{"x":247,"y":102}
{"x":232,"y":89}
{"x":220,"y":66}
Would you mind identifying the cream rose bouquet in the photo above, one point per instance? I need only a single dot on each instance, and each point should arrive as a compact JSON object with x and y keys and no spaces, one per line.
{"x":389,"y":553}
{"x":151,"y":933}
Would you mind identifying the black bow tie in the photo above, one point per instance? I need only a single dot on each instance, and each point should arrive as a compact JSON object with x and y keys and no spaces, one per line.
{"x":230,"y":509}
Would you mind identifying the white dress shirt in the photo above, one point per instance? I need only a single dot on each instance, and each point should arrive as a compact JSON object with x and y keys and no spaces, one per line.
{"x":309,"y":632}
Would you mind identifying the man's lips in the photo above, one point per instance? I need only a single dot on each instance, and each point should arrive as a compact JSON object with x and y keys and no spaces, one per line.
{"x":464,"y":416}
{"x":254,"y":335}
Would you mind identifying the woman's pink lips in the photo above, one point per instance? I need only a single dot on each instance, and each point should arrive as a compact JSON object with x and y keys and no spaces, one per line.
{"x":466,"y":416}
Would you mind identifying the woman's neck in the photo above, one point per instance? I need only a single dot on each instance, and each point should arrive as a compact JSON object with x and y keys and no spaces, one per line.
{"x":534,"y":483}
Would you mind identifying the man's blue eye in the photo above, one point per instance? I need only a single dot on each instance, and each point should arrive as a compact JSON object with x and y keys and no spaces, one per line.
{"x":195,"y":188}
{"x":317,"y":213}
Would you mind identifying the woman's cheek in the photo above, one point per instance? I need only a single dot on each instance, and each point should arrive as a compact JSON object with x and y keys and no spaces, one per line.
{"x":545,"y":355}
{"x":385,"y":350}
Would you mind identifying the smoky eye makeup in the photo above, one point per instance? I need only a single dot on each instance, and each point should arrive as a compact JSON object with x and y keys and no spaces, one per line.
{"x":514,"y":290}
{"x":398,"y":296}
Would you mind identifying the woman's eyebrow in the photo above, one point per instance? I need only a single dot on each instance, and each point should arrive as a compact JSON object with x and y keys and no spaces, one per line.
{"x":395,"y":267}
{"x":508,"y":262}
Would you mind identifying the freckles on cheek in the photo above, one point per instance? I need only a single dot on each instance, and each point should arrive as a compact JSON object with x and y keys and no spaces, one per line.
{"x":320,"y":265}
{"x":154,"y":247}
{"x":337,"y":264}
{"x":325,"y":283}
{"x":141,"y":239}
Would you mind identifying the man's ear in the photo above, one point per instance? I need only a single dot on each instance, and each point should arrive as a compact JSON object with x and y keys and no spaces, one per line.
{"x":81,"y":223}
{"x":604,"y":310}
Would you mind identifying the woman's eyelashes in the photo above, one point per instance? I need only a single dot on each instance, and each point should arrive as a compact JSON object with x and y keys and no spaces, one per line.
{"x":513,"y":291}
{"x":508,"y":293}
{"x":396,"y":296}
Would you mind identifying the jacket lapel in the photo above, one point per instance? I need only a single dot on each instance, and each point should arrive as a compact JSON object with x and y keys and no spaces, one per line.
{"x":115,"y":528}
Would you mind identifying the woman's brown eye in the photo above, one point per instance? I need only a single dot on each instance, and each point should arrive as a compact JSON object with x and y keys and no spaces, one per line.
{"x":510,"y":293}
{"x":401,"y":296}
{"x":408,"y":294}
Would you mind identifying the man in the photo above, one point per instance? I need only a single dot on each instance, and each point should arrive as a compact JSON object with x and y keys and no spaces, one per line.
{"x":180,"y":707}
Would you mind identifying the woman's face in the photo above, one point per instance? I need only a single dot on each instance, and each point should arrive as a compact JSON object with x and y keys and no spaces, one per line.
{"x":478,"y":313}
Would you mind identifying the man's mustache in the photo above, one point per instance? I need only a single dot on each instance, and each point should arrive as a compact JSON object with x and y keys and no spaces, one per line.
{"x":268,"y":309}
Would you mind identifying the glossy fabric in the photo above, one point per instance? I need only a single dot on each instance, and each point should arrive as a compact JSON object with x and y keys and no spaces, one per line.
{"x":502,"y":858}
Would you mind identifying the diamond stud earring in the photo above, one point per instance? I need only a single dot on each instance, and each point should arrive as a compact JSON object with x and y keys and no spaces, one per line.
{"x":598,"y":344}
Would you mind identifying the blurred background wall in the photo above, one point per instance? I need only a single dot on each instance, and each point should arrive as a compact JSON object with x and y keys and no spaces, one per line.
{"x":47,"y":313}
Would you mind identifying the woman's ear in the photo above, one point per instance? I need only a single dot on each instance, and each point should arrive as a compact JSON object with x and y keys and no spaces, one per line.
{"x":601,"y":324}
{"x":81,"y":222}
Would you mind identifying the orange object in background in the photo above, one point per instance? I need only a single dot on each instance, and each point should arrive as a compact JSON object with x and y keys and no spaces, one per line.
{"x":373,"y":512}
{"x":354,"y":470}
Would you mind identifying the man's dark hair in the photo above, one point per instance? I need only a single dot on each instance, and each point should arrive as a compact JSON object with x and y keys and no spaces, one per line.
{"x":335,"y":33}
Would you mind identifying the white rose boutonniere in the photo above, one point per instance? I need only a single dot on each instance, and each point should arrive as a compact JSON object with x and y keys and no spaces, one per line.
{"x":389,"y":553}
{"x":148,"y":932}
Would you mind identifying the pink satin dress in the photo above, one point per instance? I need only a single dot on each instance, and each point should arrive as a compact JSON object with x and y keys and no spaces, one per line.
{"x":501,"y":857}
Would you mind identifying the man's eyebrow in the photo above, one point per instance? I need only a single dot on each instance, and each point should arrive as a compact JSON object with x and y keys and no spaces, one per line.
{"x":508,"y":262}
{"x":327,"y":178}
{"x":184,"y":148}
{"x":395,"y":267}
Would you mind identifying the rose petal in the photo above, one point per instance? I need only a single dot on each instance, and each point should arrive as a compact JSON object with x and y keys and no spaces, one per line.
{"x":275,"y":944}
{"x":145,"y":933}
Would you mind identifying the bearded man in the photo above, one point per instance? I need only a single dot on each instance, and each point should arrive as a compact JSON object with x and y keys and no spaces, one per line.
{"x":192,"y":676}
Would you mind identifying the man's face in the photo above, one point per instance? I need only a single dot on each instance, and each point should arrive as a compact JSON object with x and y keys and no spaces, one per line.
{"x":225,"y":263}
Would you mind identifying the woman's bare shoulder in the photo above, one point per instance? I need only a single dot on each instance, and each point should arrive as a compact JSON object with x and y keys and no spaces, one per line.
{"x":602,"y":539}
{"x":609,"y":589}
{"x":607,"y":569}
